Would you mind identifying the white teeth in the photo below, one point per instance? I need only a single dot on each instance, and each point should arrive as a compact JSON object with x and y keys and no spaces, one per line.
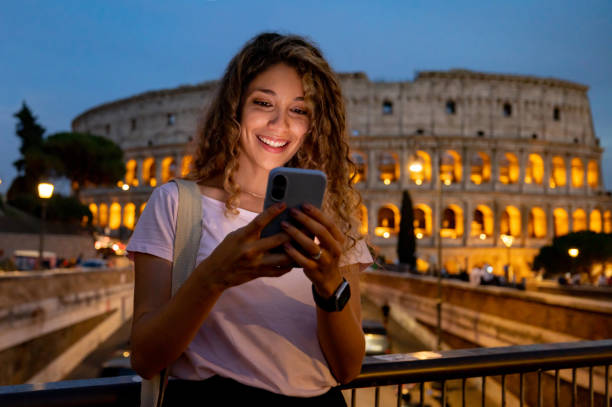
{"x":272,"y":143}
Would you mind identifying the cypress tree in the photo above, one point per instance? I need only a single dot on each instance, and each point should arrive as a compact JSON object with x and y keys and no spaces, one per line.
{"x":406,"y":242}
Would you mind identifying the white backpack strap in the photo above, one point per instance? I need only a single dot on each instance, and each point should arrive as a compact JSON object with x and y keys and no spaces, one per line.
{"x":186,"y":244}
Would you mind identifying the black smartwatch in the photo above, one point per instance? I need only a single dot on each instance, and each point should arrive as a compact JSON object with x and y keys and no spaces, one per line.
{"x":338,"y":299}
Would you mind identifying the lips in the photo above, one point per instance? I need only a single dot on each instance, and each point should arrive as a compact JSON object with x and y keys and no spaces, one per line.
{"x":276,"y":144}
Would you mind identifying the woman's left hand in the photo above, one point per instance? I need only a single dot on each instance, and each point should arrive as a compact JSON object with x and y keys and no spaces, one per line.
{"x":319,"y":261}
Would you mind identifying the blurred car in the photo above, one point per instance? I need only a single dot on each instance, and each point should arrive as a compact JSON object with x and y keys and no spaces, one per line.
{"x":93,"y":263}
{"x":376,"y":339}
{"x":118,"y":365}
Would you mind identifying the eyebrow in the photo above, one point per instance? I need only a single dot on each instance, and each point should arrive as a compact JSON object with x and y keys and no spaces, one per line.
{"x":271,"y":92}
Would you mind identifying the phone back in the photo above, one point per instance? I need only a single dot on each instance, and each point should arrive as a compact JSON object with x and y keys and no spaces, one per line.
{"x":294,"y":186}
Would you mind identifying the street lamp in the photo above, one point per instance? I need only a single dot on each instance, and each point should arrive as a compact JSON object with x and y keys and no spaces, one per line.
{"x":45,"y":191}
{"x":573,"y":252}
{"x":416,"y":166}
{"x":507,"y":240}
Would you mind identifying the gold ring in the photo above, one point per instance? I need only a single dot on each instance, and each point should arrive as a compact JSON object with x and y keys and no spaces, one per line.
{"x":318,"y":255}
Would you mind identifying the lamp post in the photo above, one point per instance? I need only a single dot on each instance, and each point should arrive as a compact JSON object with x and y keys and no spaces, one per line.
{"x":416,"y":166}
{"x":45,"y":191}
{"x":507,"y":240}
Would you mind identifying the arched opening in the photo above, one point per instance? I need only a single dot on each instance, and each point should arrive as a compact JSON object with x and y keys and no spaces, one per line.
{"x":558,"y":176}
{"x":510,"y":223}
{"x":607,"y":222}
{"x":561,"y":222}
{"x":131,"y":173}
{"x":450,"y":167}
{"x":129,"y":215}
{"x":451,"y":107}
{"x":186,"y":165}
{"x":148,"y":172}
{"x":388,"y":221}
{"x":579,"y":220}
{"x":482,"y":222}
{"x":592,"y":174}
{"x":93,"y":208}
{"x":360,"y":166}
{"x":420,"y":168}
{"x":536,"y":226}
{"x":577,"y":172}
{"x":387,"y":107}
{"x":535,"y":170}
{"x":363,"y":219}
{"x":595,"y":221}
{"x":508,"y":169}
{"x":168,"y":169}
{"x":452,"y":222}
{"x":422,"y":221}
{"x":103,"y":214}
{"x":480,"y":168}
{"x":115,"y":216}
{"x":388,"y":167}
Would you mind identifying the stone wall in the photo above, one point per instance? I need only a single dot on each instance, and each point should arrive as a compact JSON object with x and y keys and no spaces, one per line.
{"x":64,"y":246}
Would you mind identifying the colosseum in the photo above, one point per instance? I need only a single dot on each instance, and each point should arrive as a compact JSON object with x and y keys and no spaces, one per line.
{"x":506,"y":161}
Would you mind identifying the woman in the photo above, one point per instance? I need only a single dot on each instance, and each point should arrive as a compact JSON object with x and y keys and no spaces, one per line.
{"x":245,"y":324}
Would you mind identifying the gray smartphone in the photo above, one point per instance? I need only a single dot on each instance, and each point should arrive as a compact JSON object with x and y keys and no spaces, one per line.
{"x":294,"y":186}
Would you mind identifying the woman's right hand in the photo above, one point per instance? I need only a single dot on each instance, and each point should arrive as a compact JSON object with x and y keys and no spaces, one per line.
{"x":243,"y":256}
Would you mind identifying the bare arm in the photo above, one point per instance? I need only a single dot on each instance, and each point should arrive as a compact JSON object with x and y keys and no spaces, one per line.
{"x":164,"y":325}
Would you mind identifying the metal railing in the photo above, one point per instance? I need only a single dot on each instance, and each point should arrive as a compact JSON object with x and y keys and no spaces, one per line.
{"x":396,"y":370}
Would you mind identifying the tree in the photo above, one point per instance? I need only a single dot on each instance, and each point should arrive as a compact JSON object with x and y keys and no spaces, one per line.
{"x":406,"y":242}
{"x":593,"y":248}
{"x":100,"y":161}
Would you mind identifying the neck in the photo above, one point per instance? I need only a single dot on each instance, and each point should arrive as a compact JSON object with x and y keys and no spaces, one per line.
{"x":252,"y":179}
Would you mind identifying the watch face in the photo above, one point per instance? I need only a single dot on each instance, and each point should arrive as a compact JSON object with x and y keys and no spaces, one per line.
{"x":343,"y":295}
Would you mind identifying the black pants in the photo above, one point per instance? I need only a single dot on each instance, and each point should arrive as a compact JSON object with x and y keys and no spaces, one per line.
{"x":220,"y":391}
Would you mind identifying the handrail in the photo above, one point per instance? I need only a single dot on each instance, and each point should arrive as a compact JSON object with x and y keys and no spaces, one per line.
{"x":376,"y":371}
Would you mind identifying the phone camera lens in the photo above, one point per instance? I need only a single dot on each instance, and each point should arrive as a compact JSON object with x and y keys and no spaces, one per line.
{"x":279,"y":185}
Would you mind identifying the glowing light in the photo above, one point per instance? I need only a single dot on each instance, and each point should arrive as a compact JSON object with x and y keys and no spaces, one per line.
{"x":125,"y":187}
{"x":120,"y":183}
{"x":153,"y":182}
{"x":45,"y":190}
{"x":416,"y":167}
{"x":418,"y":181}
{"x":115,"y":247}
{"x":419,"y":235}
{"x":483,"y":236}
{"x":97,"y":245}
{"x":489,"y":269}
{"x":507,"y":240}
{"x":447,"y":182}
{"x":386,"y":235}
{"x":573,"y":252}
{"x":126,"y":354}
{"x":387,"y":181}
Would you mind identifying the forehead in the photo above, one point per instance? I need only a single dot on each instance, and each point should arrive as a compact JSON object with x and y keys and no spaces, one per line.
{"x":279,"y":77}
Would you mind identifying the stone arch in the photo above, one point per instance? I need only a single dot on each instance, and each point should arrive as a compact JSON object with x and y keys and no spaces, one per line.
{"x":114,"y":216}
{"x":388,"y":218}
{"x":363,"y":219}
{"x":508,"y":169}
{"x":450,"y":167}
{"x":131,"y":173}
{"x":536,"y":226}
{"x":148,"y":171}
{"x":452,"y":222}
{"x":168,"y":169}
{"x":577,"y":172}
{"x":480,"y":168}
{"x":535,"y":169}
{"x":607,"y":222}
{"x":592,"y":174}
{"x":579,"y":220}
{"x":361,"y":166}
{"x":129,"y":215}
{"x":558,"y":176}
{"x":482,"y":221}
{"x":420,"y":167}
{"x":388,"y":167}
{"x":103,"y":215}
{"x":560,"y":222}
{"x":510,"y":223}
{"x":186,"y":164}
{"x":423,"y":223}
{"x":595,"y":223}
{"x":93,"y":208}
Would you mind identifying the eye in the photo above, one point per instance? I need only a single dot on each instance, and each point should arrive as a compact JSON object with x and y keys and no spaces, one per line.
{"x":300,"y":111}
{"x":262,"y":103}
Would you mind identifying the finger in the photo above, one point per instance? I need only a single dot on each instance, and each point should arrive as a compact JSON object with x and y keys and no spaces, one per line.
{"x":276,"y":260}
{"x":325,"y":237}
{"x":271,"y":271}
{"x":261,"y":220}
{"x":300,"y":238}
{"x":266,"y":243}
{"x":325,"y":220}
{"x":305,"y":262}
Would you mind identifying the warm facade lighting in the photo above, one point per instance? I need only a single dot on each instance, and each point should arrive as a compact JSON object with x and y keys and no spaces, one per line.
{"x":483,"y":236}
{"x":573,"y":252}
{"x":386,"y":235}
{"x":45,"y":190}
{"x":507,"y":240}
{"x":418,"y":181}
{"x":416,"y":167}
{"x":125,"y":187}
{"x":387,"y":181}
{"x":419,"y":235}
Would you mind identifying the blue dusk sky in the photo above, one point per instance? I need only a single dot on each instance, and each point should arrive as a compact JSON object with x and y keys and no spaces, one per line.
{"x":64,"y":57}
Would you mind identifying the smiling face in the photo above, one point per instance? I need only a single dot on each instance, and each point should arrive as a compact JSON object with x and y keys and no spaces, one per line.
{"x":274,"y":120}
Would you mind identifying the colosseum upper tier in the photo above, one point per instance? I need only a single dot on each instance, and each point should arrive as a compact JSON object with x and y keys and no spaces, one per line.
{"x":496,"y":165}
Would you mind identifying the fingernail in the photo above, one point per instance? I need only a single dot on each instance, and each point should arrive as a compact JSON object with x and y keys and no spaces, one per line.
{"x":293,"y":211}
{"x":280,"y":206}
{"x":287,"y":246}
{"x":284,"y":225}
{"x":307,"y":206}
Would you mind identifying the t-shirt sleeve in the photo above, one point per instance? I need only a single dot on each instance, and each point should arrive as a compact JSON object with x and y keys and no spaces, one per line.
{"x":358,"y":254}
{"x":154,"y":232}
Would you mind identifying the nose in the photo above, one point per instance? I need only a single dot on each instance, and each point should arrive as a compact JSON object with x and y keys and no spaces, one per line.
{"x":279,"y":119}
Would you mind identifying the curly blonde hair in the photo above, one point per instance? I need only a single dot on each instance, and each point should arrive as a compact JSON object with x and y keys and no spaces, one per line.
{"x":325,"y":145}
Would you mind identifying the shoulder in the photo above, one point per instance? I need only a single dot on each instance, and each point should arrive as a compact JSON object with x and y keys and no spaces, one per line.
{"x":359,"y":255}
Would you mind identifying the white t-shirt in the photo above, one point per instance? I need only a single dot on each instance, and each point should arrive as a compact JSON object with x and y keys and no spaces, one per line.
{"x":261,"y":333}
